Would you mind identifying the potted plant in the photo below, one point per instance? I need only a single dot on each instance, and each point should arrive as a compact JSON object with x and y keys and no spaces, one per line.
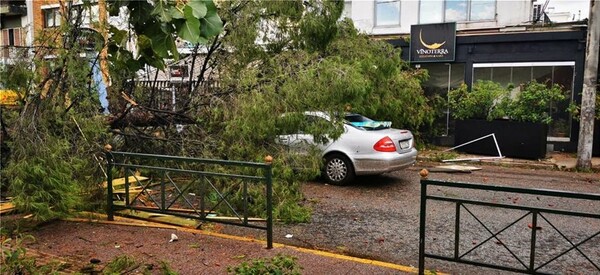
{"x":519,"y":122}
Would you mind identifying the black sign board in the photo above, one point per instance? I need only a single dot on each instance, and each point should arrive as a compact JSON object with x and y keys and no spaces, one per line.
{"x":432,"y":42}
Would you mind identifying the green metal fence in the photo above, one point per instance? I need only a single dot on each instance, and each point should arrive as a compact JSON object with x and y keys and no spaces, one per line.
{"x":228,"y":192}
{"x":526,"y":252}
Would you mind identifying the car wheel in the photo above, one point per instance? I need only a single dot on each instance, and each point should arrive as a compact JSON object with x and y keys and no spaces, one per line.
{"x":338,"y":169}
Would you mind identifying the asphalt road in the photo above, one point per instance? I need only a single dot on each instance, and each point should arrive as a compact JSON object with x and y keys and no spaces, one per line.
{"x":378,"y":218}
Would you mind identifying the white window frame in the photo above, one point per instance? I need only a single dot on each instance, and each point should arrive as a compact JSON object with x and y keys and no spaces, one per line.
{"x":55,"y":12}
{"x":469,"y":2}
{"x":532,"y":64}
{"x":89,"y":15}
{"x":376,"y":2}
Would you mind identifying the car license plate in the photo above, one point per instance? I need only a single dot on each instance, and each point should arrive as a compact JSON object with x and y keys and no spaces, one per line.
{"x":404,"y":144}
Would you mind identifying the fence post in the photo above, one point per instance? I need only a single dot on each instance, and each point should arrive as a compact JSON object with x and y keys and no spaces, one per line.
{"x":533,"y":240}
{"x":422,"y":224}
{"x":109,"y":184}
{"x":269,"y":206}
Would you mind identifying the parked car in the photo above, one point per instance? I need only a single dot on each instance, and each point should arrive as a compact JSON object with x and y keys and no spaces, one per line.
{"x":366,"y":147}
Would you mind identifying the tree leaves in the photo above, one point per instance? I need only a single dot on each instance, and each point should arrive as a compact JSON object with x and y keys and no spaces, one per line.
{"x":189,"y":29}
{"x":198,"y":7}
{"x":158,"y":26}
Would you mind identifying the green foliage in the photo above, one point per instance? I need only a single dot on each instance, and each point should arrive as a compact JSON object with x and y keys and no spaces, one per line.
{"x":575,"y":110}
{"x":166,"y":269}
{"x":55,"y":133}
{"x":486,"y":100}
{"x":13,"y":257}
{"x":280,"y":264}
{"x":534,"y":101}
{"x":275,"y":58}
{"x":157,"y":26}
{"x":120,"y":265}
{"x":14,"y":260}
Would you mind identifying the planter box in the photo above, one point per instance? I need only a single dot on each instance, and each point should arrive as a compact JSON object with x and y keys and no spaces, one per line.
{"x":516,"y":139}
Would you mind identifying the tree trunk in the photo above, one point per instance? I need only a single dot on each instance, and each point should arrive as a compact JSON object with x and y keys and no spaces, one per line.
{"x":588,"y":99}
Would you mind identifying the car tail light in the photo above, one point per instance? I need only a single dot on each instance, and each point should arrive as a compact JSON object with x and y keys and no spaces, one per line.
{"x":385,"y":145}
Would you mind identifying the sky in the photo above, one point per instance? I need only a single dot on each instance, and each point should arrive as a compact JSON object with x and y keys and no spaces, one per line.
{"x":573,"y":6}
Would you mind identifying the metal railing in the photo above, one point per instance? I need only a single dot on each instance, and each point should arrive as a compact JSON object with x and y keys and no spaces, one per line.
{"x":527,"y":258}
{"x":203,"y":189}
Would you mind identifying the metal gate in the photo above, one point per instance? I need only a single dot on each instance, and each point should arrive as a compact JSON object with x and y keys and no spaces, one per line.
{"x":229,"y":192}
{"x":517,"y":241}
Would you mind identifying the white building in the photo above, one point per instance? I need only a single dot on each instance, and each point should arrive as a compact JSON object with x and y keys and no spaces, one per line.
{"x":505,"y":41}
{"x":388,"y":17}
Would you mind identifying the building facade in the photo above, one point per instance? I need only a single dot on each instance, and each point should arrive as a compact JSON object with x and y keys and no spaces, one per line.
{"x":509,"y":42}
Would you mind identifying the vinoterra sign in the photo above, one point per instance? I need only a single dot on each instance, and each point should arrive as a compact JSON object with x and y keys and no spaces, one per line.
{"x":432,"y":42}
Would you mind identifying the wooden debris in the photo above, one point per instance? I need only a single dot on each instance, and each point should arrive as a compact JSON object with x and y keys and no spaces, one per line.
{"x":191,"y":223}
{"x":454,"y":169}
{"x":121,"y":181}
{"x":6,"y":207}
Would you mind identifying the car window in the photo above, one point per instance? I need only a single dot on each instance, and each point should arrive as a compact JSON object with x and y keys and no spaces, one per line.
{"x":366,"y":123}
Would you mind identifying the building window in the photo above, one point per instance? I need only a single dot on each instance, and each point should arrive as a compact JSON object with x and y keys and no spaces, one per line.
{"x":387,"y":12}
{"x":12,"y":37}
{"x":51,"y":17}
{"x":89,"y":14}
{"x":438,"y":11}
{"x":561,"y":73}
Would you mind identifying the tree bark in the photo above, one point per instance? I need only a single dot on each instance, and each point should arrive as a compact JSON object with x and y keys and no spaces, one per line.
{"x":588,"y":99}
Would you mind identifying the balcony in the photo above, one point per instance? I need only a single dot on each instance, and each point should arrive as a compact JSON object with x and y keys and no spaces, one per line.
{"x":8,"y":8}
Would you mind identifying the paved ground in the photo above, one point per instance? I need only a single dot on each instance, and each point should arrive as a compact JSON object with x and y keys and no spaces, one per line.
{"x":208,"y":253}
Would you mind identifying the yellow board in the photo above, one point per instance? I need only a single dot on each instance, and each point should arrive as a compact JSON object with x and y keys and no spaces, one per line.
{"x":9,"y":97}
{"x":121,"y":181}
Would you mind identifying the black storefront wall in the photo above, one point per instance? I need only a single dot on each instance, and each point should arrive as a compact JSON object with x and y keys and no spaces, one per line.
{"x":524,"y":140}
{"x":533,"y":46}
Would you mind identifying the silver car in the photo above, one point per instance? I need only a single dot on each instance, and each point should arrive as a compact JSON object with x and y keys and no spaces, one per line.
{"x":366,"y":147}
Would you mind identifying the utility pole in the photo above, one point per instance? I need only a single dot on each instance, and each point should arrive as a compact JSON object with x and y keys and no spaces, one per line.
{"x":588,"y":98}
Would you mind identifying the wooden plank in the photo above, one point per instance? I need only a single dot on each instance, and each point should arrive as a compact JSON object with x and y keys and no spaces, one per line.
{"x":6,"y":207}
{"x":131,"y":191}
{"x":173,"y":209}
{"x":121,"y":181}
{"x":166,"y":219}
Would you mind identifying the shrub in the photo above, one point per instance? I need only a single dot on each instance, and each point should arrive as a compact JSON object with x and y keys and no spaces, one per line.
{"x":533,"y":102}
{"x":484,"y":101}
{"x":280,"y":264}
{"x":488,"y":100}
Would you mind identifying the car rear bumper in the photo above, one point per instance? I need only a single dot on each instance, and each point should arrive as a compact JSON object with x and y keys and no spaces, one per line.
{"x":386,"y":163}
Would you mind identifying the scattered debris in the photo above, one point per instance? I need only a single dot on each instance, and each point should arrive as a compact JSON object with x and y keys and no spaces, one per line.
{"x":454,"y":169}
{"x":6,"y":207}
{"x":289,"y":236}
{"x":95,"y":261}
{"x":493,"y":136}
{"x":174,"y":238}
{"x":536,"y":228}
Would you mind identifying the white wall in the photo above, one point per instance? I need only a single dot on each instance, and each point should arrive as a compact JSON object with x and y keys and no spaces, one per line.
{"x":508,"y":13}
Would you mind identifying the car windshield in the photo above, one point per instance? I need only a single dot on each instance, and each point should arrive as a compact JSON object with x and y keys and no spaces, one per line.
{"x":366,"y":123}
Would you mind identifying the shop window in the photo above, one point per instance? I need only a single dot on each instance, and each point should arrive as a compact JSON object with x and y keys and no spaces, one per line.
{"x":443,"y":77}
{"x":439,"y":11}
{"x":52,"y":17}
{"x":550,"y":73}
{"x":387,"y":12}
